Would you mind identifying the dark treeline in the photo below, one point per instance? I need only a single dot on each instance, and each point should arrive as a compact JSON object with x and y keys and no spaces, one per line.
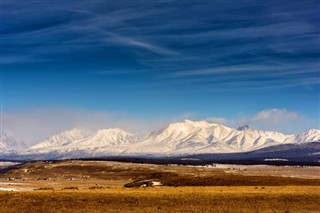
{"x":199,"y":162}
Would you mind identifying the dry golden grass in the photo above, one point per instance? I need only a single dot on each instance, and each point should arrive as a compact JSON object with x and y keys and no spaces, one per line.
{"x":91,"y":186}
{"x":166,"y":199}
{"x":85,"y":174}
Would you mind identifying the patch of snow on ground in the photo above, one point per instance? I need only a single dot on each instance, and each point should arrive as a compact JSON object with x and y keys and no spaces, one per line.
{"x":9,"y":189}
{"x":10,"y":183}
{"x":6,"y":164}
{"x":156,"y":183}
{"x":315,"y":153}
{"x":275,"y":159}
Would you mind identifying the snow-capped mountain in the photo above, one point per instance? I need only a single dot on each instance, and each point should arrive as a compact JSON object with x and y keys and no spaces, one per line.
{"x":9,"y":142}
{"x":244,"y":127}
{"x":203,"y":137}
{"x":181,"y":138}
{"x":307,"y":136}
{"x":60,"y":139}
{"x":74,"y":143}
{"x":105,"y":138}
{"x":294,"y":152}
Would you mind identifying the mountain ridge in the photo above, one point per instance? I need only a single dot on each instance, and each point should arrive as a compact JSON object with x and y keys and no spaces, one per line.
{"x":180,"y":138}
{"x":8,"y":141}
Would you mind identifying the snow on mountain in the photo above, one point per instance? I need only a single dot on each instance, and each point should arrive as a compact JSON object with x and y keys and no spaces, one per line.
{"x":74,"y":143}
{"x":60,"y":139}
{"x":307,"y":136}
{"x":186,"y":137}
{"x":105,"y":137}
{"x":203,"y":137}
{"x":182,"y":137}
{"x":9,"y":142}
{"x":243,"y":128}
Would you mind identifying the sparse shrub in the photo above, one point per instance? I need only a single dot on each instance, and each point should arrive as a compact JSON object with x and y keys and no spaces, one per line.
{"x":70,"y":188}
{"x":45,"y":188}
{"x":139,"y":183}
{"x":96,"y":187}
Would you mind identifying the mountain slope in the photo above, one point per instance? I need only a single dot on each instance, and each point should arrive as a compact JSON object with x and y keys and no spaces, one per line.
{"x":60,"y":139}
{"x":9,"y":142}
{"x":307,"y":136}
{"x":181,"y":138}
{"x":105,"y":137}
{"x":203,"y":137}
{"x":300,"y":152}
{"x":74,"y":144}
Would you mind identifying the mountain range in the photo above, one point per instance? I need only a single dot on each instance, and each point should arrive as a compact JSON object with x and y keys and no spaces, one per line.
{"x":182,"y":138}
{"x":8,"y":142}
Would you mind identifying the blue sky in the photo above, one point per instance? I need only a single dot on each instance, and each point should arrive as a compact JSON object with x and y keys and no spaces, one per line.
{"x":158,"y":60}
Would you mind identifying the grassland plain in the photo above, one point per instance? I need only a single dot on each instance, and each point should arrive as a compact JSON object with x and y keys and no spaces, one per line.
{"x":97,"y":186}
{"x":166,"y":199}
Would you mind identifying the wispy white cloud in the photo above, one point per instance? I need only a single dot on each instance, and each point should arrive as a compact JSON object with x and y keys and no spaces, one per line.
{"x":218,"y":120}
{"x":225,"y":69}
{"x":35,"y":125}
{"x":275,"y":119}
{"x":82,"y":28}
{"x":174,"y":39}
{"x":130,"y":41}
{"x":253,"y":69}
{"x":273,"y":116}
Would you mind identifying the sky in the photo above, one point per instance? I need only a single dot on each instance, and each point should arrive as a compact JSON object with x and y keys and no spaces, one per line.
{"x":139,"y":65}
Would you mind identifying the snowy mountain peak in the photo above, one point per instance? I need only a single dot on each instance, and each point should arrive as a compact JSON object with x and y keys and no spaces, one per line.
{"x":243,"y":128}
{"x":104,"y":138}
{"x":306,"y":136}
{"x":113,"y":131}
{"x":74,"y":131}
{"x":185,"y":137}
{"x":188,"y":124}
{"x":201,"y":123}
{"x":9,"y":141}
{"x":61,"y":139}
{"x":312,"y":131}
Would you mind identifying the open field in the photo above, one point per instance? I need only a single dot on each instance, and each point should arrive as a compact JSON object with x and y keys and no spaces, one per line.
{"x":166,"y":199}
{"x":86,"y":174}
{"x":97,"y":186}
